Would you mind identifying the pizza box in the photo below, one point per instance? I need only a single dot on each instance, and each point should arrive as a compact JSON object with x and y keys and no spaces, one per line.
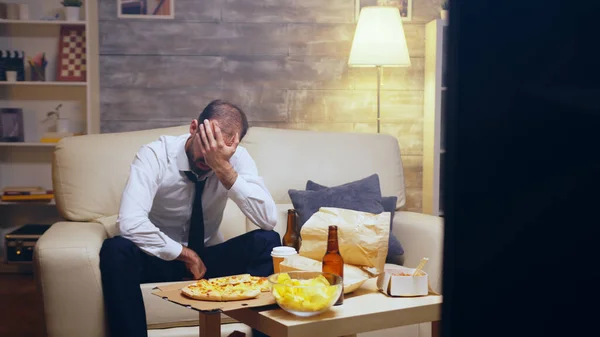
{"x":172,"y":293}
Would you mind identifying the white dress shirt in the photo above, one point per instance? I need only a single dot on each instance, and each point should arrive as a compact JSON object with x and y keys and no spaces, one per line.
{"x":156,"y":205}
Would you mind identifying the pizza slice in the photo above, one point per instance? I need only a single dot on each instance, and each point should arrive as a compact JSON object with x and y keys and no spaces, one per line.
{"x":234,"y":279}
{"x":239,"y":293}
{"x":202,"y":290}
{"x":261,"y":282}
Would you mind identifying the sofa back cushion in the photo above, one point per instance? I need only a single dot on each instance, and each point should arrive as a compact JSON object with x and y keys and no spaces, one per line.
{"x":89,"y":172}
{"x":287,"y":159}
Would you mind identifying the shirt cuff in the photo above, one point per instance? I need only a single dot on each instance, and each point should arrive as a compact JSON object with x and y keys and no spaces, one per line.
{"x":240,"y":190}
{"x":171,"y":250}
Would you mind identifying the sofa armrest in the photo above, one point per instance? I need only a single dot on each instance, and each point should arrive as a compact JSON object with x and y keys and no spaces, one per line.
{"x":421,"y":235}
{"x":66,"y":266}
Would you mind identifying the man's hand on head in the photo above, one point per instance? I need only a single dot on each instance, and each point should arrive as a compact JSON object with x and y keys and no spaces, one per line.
{"x":217,"y":151}
{"x":192,"y":262}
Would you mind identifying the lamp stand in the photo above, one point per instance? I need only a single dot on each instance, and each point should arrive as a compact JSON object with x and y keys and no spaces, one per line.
{"x":379,"y":74}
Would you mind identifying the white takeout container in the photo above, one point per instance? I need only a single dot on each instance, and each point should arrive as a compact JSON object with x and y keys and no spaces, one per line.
{"x":405,"y":286}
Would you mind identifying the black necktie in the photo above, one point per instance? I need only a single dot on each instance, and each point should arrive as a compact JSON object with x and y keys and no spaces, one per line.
{"x":196,"y":237}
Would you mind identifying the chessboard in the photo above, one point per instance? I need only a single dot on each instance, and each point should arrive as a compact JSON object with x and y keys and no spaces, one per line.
{"x":72,"y":54}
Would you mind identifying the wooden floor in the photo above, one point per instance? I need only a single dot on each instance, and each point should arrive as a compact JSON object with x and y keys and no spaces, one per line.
{"x":21,"y":312}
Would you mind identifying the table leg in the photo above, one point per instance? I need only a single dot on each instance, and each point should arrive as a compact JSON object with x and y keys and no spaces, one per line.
{"x":436,"y":326}
{"x":210,"y":324}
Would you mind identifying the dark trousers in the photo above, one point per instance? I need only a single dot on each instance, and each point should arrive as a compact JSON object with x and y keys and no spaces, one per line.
{"x":124,"y":267}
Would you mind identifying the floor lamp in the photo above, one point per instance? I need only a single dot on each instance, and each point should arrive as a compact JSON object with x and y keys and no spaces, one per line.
{"x":379,"y":42}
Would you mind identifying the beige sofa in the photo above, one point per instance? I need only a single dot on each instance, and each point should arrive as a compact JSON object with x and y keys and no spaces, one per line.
{"x":89,"y":173}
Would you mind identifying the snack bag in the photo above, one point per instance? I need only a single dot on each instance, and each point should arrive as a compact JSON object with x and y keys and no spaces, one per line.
{"x":363,"y":237}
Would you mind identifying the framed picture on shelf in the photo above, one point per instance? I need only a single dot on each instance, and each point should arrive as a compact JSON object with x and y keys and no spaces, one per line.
{"x":404,"y":6}
{"x":146,"y":9}
{"x":11,"y":125}
{"x":71,"y":54}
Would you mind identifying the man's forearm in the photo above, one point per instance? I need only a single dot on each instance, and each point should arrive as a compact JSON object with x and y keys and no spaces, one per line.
{"x":226,"y":174}
{"x":143,"y":233}
{"x":187,"y":255}
{"x":253,"y":199}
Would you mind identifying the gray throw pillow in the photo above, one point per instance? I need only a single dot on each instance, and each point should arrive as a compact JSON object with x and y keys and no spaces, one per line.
{"x":362,"y":195}
{"x":395,"y":249}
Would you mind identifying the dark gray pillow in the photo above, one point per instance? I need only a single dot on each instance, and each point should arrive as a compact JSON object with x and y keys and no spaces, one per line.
{"x":362,"y":195}
{"x":389,"y":205}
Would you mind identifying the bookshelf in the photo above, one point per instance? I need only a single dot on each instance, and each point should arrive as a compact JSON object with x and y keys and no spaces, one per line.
{"x":25,"y":144}
{"x":40,"y":22}
{"x":433,"y":117}
{"x":28,"y":203}
{"x":29,"y":162}
{"x":46,"y":83}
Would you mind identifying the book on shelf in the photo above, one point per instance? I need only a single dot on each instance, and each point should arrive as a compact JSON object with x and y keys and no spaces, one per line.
{"x":55,"y":137}
{"x":36,"y":197}
{"x":23,"y":189}
{"x":26,"y":193}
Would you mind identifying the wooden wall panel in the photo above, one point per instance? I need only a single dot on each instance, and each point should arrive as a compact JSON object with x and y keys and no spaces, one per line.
{"x":283,"y":61}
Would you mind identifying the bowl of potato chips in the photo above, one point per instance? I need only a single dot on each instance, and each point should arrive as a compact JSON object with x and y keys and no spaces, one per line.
{"x":305,"y":293}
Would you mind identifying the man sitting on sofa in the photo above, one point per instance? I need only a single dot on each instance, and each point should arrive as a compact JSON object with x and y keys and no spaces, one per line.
{"x":171,"y":211}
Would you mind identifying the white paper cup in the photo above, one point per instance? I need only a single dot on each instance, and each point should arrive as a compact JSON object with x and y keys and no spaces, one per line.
{"x":279,"y":254}
{"x":11,"y":76}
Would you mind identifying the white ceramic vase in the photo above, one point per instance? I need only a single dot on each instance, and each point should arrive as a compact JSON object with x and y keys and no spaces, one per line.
{"x":11,"y":76}
{"x":62,"y":125}
{"x":72,"y":13}
{"x":23,"y":12}
{"x":444,"y":14}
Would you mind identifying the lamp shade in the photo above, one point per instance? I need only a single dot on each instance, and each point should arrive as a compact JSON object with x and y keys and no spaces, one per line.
{"x":379,"y":39}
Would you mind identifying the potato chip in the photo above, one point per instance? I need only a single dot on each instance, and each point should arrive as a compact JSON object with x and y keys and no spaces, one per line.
{"x":313,"y":294}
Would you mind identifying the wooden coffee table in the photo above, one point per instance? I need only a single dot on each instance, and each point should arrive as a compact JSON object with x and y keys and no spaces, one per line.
{"x":364,"y":310}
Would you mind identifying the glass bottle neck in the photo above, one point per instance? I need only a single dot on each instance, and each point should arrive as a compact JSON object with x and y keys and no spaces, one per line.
{"x":332,"y":242}
{"x":291,"y":223}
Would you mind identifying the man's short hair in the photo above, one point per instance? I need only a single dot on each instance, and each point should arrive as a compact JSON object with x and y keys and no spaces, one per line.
{"x":231,"y":118}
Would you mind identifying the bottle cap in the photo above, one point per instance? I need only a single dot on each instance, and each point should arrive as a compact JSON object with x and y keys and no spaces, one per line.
{"x":283,"y":251}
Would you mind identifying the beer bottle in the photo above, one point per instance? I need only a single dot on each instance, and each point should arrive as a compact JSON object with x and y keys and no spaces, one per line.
{"x":332,"y":260}
{"x":291,"y":235}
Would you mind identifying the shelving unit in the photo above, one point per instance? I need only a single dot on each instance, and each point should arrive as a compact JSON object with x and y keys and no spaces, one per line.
{"x":433,"y":118}
{"x":41,"y":22}
{"x":25,"y":144}
{"x":35,"y":203}
{"x":29,"y":163}
{"x":45,"y":83}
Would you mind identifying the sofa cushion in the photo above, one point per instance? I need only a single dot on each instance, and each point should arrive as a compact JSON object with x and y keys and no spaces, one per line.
{"x":287,"y":158}
{"x":89,"y":172}
{"x":110,"y":224}
{"x":86,"y":188}
{"x":362,"y":195}
{"x":389,"y":205}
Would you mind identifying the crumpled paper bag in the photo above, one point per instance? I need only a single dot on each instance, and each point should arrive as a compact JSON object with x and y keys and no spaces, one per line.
{"x":362,"y":237}
{"x":354,"y":277}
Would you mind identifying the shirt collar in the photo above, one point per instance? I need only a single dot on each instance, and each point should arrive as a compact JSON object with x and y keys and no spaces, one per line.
{"x":181,"y":158}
